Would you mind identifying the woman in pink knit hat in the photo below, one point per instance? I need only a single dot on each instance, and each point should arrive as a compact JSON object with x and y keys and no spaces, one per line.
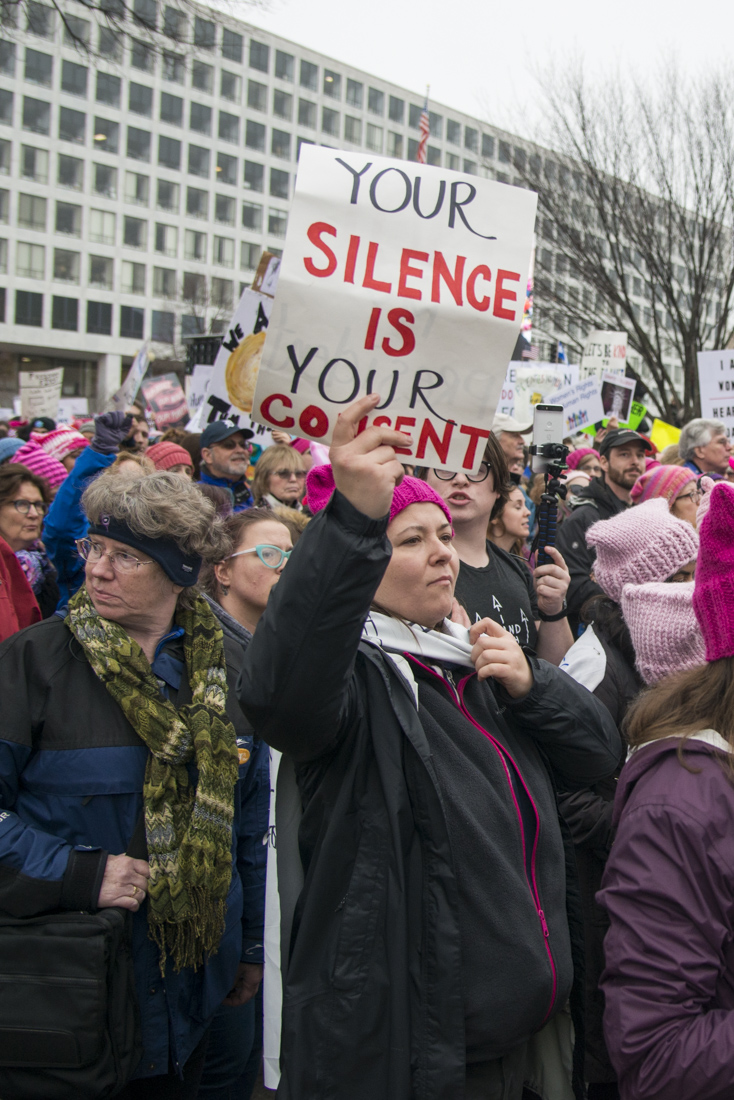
{"x":674,"y":484}
{"x":65,"y":445}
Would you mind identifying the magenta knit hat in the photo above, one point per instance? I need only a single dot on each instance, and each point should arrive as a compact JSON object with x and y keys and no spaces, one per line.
{"x":38,"y":462}
{"x":167,"y":454}
{"x":661,"y":481}
{"x":62,"y":442}
{"x":713,"y":594}
{"x":575,"y":456}
{"x":663,"y":627}
{"x":411,"y":490}
{"x":641,"y":544}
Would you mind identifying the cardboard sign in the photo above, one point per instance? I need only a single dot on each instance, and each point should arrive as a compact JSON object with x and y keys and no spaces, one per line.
{"x":399,"y":279}
{"x":582,"y":406}
{"x":129,"y":388}
{"x":527,"y":385}
{"x":40,"y":391}
{"x":604,"y":351}
{"x":716,"y":386}
{"x":167,"y":400}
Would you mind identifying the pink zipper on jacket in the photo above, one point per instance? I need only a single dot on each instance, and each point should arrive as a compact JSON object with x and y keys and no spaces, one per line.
{"x":505,"y":756}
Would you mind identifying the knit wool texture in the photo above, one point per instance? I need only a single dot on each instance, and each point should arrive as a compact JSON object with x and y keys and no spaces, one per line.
{"x":707,"y":484}
{"x":580,"y":453}
{"x":661,"y":481}
{"x":35,"y":459}
{"x":664,"y":629}
{"x":165,"y":455}
{"x":713,"y":595}
{"x":411,"y":490}
{"x":9,"y":446}
{"x":62,"y":442}
{"x":642,"y":544}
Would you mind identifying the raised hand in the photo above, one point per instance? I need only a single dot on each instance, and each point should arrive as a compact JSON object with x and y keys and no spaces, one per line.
{"x":109,"y":431}
{"x":365,"y":466}
{"x":496,"y":653}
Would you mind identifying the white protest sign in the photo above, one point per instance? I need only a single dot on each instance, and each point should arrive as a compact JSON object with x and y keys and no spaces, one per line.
{"x":196,"y":386}
{"x":129,"y":388}
{"x":617,"y":395}
{"x":69,"y":407}
{"x":716,"y":386}
{"x":40,"y":391}
{"x":403,"y":280}
{"x":604,"y":351}
{"x":525,"y":386}
{"x":582,"y":404}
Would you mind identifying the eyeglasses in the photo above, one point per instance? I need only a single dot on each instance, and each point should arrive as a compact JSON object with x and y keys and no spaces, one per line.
{"x":24,"y":506}
{"x":234,"y":444}
{"x":481,"y":475}
{"x":286,"y":475}
{"x":120,"y":562}
{"x":272,"y":556}
{"x":694,"y":495}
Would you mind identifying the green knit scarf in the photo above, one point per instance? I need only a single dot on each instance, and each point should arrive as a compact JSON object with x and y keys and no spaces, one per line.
{"x":189,"y":831}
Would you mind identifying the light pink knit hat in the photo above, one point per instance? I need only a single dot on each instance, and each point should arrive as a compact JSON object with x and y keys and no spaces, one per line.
{"x":641,"y":544}
{"x":38,"y":462}
{"x":62,"y":442}
{"x":661,"y":481}
{"x":663,"y":627}
{"x":707,"y":484}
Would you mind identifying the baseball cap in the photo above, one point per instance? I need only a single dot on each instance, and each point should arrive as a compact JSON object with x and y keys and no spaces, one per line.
{"x":504,"y":423}
{"x":620,"y":437}
{"x":222,"y":429}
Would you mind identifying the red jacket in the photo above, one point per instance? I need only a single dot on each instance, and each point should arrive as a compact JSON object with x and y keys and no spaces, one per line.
{"x":18,"y":607}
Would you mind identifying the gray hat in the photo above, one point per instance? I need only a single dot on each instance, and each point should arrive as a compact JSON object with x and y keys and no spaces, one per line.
{"x":504,"y":423}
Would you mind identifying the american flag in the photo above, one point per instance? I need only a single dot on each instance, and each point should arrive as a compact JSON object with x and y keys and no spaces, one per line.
{"x":425,"y":129}
{"x":533,"y":352}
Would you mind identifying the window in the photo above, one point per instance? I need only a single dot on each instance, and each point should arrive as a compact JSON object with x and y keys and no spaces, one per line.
{"x":375,"y":101}
{"x":257,"y":96}
{"x":72,"y":125}
{"x":70,"y":172}
{"x":66,"y":266}
{"x":252,"y":216}
{"x":194,"y":245}
{"x":229,"y":127}
{"x":414,"y":116}
{"x":171,"y":109}
{"x":279,"y":184}
{"x":394,"y":144}
{"x":204,"y":33}
{"x":76,"y":31}
{"x":413,"y":149}
{"x":140,"y":99}
{"x":470,"y":167}
{"x":68,"y":219}
{"x":108,"y":89}
{"x":355,"y":93}
{"x":504,"y":152}
{"x":101,"y":270}
{"x":487,"y":145}
{"x":284,"y":66}
{"x":231,"y":45}
{"x":196,"y":202}
{"x":167,"y":196}
{"x":34,"y":164}
{"x":535,"y":165}
{"x":202,"y":77}
{"x":396,"y":109}
{"x":138,"y":143}
{"x":254,"y":176}
{"x":36,"y":115}
{"x":374,"y":138}
{"x":282,"y":104}
{"x":435,"y":125}
{"x":520,"y":159}
{"x":102,"y":227}
{"x":65,"y":313}
{"x":226,"y":169}
{"x":453,"y":132}
{"x":174,"y":68}
{"x":32,"y":212}
{"x":145,"y":12}
{"x":38,"y":67}
{"x":224,"y":209}
{"x":433,"y":155}
{"x":194,"y":287}
{"x":39,"y":19}
{"x":7,"y":57}
{"x":230,"y":86}
{"x":99,"y":318}
{"x":255,"y":135}
{"x":259,"y":56}
{"x":353,"y":129}
{"x":277,"y":223}
{"x":134,"y":232}
{"x":109,"y":43}
{"x":280,"y":144}
{"x":164,"y":282}
{"x":191,"y":325}
{"x":200,"y":118}
{"x":169,"y":152}
{"x":332,"y":84}
{"x":28,"y":308}
{"x":6,"y":110}
{"x":106,"y":135}
{"x":133,"y":278}
{"x":249,"y":256}
{"x":163,"y":325}
{"x":141,"y":56}
{"x":330,"y":121}
{"x":198,"y":161}
{"x":3,"y":269}
{"x":137,"y":188}
{"x":471,"y":139}
{"x":309,"y":76}
{"x":74,"y":78}
{"x":5,"y":148}
{"x":223,"y":291}
{"x":223,"y":252}
{"x":30,"y":260}
{"x":166,"y":239}
{"x":174,"y":24}
{"x":307,"y":114}
{"x":131,"y":322}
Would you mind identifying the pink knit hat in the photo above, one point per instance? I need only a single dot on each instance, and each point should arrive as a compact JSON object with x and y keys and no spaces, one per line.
{"x":167,"y":454}
{"x":661,"y":481}
{"x":62,"y":442}
{"x":411,"y":490}
{"x":641,"y":544}
{"x":713,"y":594}
{"x":576,"y":456}
{"x":663,"y":628}
{"x":38,"y":462}
{"x":706,"y":484}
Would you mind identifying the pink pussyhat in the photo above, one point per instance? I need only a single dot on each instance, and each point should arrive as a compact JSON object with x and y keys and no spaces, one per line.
{"x":713,"y":594}
{"x":411,"y":490}
{"x":663,"y":628}
{"x":35,"y":459}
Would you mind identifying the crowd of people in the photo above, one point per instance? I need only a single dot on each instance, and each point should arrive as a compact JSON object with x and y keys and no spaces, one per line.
{"x":500,"y":846}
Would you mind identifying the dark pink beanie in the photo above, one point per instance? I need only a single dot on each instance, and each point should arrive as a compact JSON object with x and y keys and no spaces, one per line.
{"x":411,"y":490}
{"x":713,"y":594}
{"x":576,"y":456}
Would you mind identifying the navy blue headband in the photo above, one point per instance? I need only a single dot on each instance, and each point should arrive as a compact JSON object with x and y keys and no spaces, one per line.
{"x":181,"y":568}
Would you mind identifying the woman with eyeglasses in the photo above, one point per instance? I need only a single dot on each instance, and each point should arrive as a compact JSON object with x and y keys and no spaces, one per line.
{"x":126,"y":709}
{"x":24,"y":501}
{"x":674,"y":484}
{"x":280,"y":478}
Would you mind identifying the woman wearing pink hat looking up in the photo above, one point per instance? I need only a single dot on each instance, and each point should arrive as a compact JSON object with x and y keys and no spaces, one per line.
{"x":421,"y":863}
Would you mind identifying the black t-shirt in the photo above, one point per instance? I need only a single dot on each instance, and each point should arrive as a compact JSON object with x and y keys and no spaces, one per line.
{"x":503,"y":591}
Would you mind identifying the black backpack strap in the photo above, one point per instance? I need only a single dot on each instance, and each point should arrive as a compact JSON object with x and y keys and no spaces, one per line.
{"x":138,"y":846}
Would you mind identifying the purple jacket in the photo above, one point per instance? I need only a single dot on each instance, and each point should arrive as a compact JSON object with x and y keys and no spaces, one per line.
{"x":669,"y":892}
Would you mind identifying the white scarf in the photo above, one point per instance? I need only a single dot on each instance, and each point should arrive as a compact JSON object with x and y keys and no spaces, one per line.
{"x":395,"y":636}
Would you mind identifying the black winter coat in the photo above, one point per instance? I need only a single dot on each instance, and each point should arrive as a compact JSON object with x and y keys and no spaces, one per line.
{"x":372,"y":1005}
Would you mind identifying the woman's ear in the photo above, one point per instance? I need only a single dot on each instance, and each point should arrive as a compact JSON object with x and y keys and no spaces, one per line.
{"x":221,"y":572}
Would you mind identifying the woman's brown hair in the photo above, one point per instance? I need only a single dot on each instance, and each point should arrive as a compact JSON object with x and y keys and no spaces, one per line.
{"x":13,"y":475}
{"x":234,"y":528}
{"x":494,"y":456}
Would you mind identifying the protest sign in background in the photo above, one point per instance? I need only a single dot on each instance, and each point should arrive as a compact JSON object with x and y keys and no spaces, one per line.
{"x":398,"y":279}
{"x":582,"y":406}
{"x":604,"y":351}
{"x":40,"y":391}
{"x":69,"y":407}
{"x":167,"y":400}
{"x":129,"y":388}
{"x":196,"y":386}
{"x":716,"y":386}
{"x":662,"y":434}
{"x":529,"y":385}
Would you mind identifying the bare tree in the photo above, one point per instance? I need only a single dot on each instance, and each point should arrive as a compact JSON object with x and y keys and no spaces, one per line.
{"x":637,"y":207}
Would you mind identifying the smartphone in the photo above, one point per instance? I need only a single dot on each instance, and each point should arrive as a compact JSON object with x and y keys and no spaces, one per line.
{"x":548,"y":427}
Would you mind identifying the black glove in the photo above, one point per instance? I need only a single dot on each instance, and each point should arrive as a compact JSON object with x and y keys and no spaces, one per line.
{"x":109,"y":431}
